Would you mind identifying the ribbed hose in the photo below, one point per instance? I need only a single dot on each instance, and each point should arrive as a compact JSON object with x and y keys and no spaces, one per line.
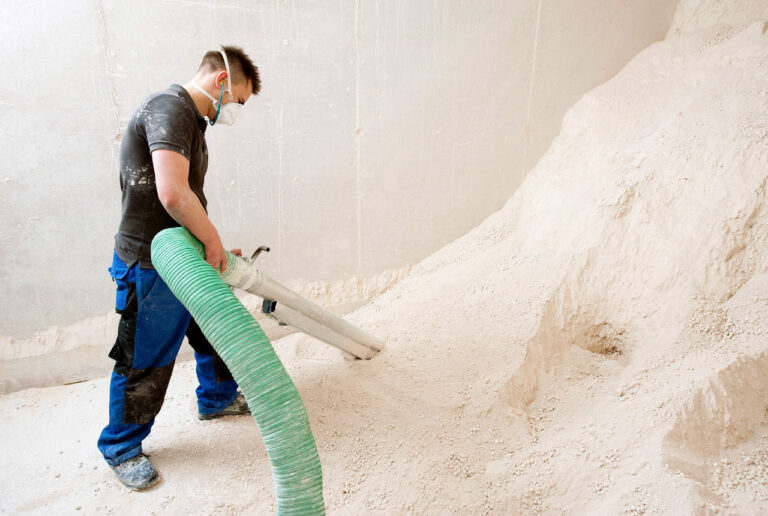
{"x":241,"y":343}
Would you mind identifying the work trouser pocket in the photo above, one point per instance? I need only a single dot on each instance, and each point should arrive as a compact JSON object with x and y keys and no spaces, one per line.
{"x":122,"y":350}
{"x":124,"y":277}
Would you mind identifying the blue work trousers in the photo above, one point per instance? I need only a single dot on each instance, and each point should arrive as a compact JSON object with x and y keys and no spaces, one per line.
{"x":152,"y":326}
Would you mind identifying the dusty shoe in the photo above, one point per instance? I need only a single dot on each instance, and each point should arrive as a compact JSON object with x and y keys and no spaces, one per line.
{"x":238,"y":407}
{"x":136,"y":473}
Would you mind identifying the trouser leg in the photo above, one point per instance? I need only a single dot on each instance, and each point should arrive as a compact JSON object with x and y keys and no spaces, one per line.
{"x":150,"y":332}
{"x":217,"y":388}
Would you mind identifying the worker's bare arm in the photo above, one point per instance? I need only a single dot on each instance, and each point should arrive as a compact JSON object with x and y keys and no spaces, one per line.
{"x":172,"y":181}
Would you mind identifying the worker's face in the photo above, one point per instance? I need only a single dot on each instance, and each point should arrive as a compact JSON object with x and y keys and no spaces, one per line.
{"x":241,"y":91}
{"x":230,"y":93}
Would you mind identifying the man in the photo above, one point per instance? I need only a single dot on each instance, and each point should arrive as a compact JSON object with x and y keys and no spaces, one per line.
{"x":163,"y":161}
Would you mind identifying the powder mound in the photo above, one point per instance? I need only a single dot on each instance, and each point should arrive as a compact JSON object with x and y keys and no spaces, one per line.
{"x":571,"y":343}
{"x":716,"y":15}
{"x":719,"y":436}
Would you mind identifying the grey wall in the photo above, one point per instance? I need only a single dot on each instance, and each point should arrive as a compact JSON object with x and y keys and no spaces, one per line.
{"x":384,"y":130}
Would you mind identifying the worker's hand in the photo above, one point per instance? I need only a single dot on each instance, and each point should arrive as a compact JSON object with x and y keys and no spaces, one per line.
{"x":236,"y":251}
{"x":215,"y":254}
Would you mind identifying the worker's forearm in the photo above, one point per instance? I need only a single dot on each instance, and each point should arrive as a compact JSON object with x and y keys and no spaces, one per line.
{"x":187,"y":210}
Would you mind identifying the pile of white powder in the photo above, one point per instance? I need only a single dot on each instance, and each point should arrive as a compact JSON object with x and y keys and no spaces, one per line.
{"x":598,"y":346}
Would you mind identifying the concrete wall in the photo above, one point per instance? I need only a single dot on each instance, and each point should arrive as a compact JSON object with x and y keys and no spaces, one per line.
{"x":385,"y":129}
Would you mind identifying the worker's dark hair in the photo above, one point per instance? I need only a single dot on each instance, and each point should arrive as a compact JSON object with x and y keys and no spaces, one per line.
{"x":240,"y":65}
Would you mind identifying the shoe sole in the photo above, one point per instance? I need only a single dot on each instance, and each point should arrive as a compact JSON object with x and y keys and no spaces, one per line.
{"x":147,"y":486}
{"x":208,"y":417}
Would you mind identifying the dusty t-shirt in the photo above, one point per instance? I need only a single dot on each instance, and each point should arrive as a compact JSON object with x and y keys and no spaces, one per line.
{"x":166,"y":120}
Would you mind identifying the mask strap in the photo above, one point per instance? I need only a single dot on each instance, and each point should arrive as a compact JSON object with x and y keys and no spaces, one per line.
{"x":217,"y":104}
{"x":229,"y":75}
{"x":201,"y":90}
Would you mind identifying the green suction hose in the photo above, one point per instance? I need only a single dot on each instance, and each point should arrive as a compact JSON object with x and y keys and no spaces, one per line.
{"x":241,"y":343}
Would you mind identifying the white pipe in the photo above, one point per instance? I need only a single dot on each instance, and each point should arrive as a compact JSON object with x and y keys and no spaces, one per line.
{"x":338,"y":332}
{"x":311,"y":327}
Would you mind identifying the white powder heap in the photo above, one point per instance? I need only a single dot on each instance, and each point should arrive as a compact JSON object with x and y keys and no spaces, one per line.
{"x":694,"y":15}
{"x":598,"y":346}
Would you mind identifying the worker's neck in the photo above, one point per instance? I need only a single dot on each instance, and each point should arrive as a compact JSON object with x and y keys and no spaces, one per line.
{"x":202,"y":102}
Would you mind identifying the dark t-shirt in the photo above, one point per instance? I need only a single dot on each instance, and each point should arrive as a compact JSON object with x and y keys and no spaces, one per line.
{"x":166,"y":120}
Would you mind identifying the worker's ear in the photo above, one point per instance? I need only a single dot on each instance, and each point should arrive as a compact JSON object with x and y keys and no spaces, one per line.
{"x":220,"y":78}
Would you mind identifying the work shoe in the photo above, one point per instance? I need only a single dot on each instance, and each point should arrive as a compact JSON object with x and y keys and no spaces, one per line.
{"x":238,"y":407}
{"x":136,"y":473}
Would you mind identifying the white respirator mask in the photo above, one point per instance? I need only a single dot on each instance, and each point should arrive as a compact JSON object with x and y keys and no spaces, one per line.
{"x":227,"y":113}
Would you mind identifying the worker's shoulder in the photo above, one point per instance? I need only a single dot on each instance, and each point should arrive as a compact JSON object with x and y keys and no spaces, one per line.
{"x":169,"y":102}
